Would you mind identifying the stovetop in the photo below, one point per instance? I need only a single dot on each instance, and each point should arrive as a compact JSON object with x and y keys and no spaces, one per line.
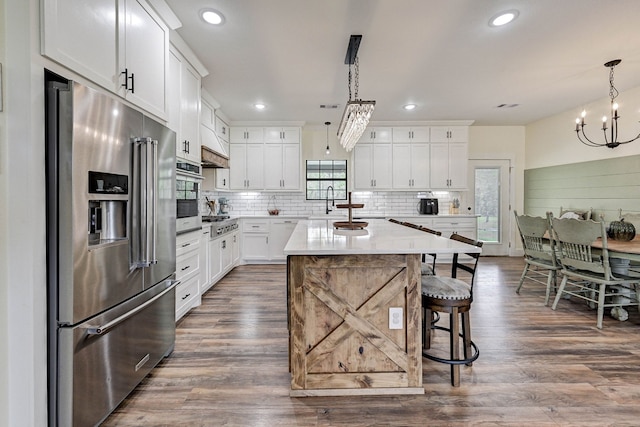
{"x":221,"y":224}
{"x":214,"y":218}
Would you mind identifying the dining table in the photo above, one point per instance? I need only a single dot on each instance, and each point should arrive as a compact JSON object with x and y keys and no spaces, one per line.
{"x":629,"y":250}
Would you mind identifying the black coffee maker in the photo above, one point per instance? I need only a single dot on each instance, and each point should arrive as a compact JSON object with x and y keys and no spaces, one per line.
{"x":428,"y":206}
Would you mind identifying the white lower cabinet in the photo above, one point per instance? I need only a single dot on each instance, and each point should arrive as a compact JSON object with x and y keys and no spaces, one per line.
{"x":187,"y":272}
{"x":224,"y":254}
{"x":465,"y":226}
{"x":215,"y":266}
{"x":264,"y":239}
{"x":255,"y":239}
{"x":235,"y":249}
{"x":205,"y":256}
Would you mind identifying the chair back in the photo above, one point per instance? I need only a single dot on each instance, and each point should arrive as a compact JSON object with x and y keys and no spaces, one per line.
{"x":574,"y":239}
{"x":535,"y":233}
{"x":456,"y":264}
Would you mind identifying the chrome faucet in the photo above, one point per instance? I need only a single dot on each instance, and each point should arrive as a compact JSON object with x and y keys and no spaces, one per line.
{"x":333,"y":197}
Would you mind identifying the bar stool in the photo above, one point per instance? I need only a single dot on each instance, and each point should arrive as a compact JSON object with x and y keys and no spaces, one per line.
{"x":454,"y":296}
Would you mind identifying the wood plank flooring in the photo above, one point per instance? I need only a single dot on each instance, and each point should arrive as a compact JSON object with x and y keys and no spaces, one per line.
{"x":537,"y":367}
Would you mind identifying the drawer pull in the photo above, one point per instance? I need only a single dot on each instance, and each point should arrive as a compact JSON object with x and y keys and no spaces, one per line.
{"x":185,"y":268}
{"x":186,"y":244}
{"x":186,"y":296}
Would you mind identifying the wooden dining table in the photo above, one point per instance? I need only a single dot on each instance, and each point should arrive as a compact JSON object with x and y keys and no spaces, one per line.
{"x":620,"y":249}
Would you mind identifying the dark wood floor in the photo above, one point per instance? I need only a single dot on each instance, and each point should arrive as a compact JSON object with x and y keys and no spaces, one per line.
{"x":537,"y":367}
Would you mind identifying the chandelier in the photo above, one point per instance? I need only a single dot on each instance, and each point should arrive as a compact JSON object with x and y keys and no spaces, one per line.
{"x":611,"y":140}
{"x":357,"y":112}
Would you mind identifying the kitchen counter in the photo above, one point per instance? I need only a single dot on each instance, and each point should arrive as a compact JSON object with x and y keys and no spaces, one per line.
{"x":354,"y":307}
{"x":318,"y":237}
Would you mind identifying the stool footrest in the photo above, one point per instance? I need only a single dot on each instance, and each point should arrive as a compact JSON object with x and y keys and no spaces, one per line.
{"x":470,"y":359}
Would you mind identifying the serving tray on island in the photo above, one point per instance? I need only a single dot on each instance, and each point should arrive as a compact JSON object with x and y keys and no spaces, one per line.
{"x":350,"y":225}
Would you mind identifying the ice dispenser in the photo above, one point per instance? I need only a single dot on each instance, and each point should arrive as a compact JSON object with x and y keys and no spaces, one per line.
{"x":107,"y":220}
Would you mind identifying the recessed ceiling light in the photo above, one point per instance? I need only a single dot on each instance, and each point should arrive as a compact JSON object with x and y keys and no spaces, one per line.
{"x":212,"y":16}
{"x":503,"y":18}
{"x":259,"y":106}
{"x":409,"y":107}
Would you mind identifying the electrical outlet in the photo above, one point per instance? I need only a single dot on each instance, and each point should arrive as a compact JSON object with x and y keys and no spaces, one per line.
{"x":396,"y":320}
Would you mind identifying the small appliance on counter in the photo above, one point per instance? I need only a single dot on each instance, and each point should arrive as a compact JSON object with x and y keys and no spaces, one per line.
{"x":223,"y":206}
{"x":427,"y":205}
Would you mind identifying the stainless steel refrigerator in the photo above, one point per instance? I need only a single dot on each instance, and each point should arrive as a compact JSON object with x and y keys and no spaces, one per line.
{"x":111,"y":215}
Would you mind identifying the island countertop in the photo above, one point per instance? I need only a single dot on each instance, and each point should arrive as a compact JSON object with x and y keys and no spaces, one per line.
{"x":319,"y":237}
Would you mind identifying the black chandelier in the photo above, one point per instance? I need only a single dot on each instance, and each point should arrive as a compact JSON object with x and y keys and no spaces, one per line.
{"x":610,"y":141}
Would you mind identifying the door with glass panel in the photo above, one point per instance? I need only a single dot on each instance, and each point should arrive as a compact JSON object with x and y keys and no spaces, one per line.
{"x":489,"y":182}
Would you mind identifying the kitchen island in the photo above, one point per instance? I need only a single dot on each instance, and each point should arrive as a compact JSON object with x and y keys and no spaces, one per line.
{"x":354,"y":307}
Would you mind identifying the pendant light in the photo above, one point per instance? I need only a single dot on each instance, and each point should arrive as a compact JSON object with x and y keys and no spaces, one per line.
{"x":612,"y":140}
{"x":328,"y":152}
{"x":357,"y":112}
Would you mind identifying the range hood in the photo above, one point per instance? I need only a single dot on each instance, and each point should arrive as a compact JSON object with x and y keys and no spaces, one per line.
{"x":211,"y":159}
{"x":213,"y":152}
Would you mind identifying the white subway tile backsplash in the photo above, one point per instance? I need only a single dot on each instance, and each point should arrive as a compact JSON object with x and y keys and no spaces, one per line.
{"x":379,"y":203}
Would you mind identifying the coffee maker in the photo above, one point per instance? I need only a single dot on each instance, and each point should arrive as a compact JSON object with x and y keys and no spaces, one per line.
{"x":427,"y":205}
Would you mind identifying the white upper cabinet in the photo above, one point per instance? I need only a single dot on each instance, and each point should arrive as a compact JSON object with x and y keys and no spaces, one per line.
{"x":121,"y":45}
{"x":184,"y":106}
{"x":449,"y":166}
{"x":372,"y":167}
{"x":282,"y":166}
{"x":377,"y":134}
{"x":284,"y":135}
{"x":271,"y":158}
{"x":144,"y":61}
{"x":246,"y":166}
{"x":246,"y":135}
{"x":83,"y":36}
{"x":449,"y":134}
{"x":411,"y":166}
{"x":411,"y":134}
{"x":449,"y":157}
{"x":222,"y":129}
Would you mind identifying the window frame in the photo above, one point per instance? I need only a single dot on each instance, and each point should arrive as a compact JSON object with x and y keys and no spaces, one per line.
{"x":328,"y":180}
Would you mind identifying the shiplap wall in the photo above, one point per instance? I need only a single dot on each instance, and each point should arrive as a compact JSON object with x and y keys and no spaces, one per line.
{"x":603,"y":185}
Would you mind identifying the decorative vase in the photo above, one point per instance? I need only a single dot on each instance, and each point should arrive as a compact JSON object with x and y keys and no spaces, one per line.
{"x":621,"y":230}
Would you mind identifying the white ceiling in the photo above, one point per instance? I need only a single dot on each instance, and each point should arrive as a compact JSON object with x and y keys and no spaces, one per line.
{"x":439,"y":54}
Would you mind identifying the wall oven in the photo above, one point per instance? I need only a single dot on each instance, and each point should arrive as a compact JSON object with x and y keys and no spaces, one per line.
{"x":188,"y":183}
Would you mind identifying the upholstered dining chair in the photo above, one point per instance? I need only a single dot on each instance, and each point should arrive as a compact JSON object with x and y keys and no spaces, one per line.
{"x":539,"y":252}
{"x":454,"y":296}
{"x":586,"y":271}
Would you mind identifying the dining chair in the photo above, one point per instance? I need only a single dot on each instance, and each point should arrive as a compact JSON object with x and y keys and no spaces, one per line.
{"x":575,"y":213}
{"x":586,"y":271}
{"x":539,"y":252}
{"x":454,"y":296}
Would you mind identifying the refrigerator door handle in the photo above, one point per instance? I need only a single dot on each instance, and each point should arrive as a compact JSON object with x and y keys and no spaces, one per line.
{"x":151,"y":190}
{"x":146,"y":178}
{"x":136,"y":210}
{"x":154,"y":210}
{"x":103,"y":329}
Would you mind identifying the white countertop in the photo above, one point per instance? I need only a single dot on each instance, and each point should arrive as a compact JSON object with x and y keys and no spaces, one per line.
{"x":318,"y":237}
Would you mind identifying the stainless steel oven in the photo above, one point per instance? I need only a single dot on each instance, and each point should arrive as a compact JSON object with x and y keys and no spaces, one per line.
{"x":188,"y":183}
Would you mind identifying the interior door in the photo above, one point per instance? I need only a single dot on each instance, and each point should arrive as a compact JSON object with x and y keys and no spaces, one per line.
{"x":489,"y":185}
